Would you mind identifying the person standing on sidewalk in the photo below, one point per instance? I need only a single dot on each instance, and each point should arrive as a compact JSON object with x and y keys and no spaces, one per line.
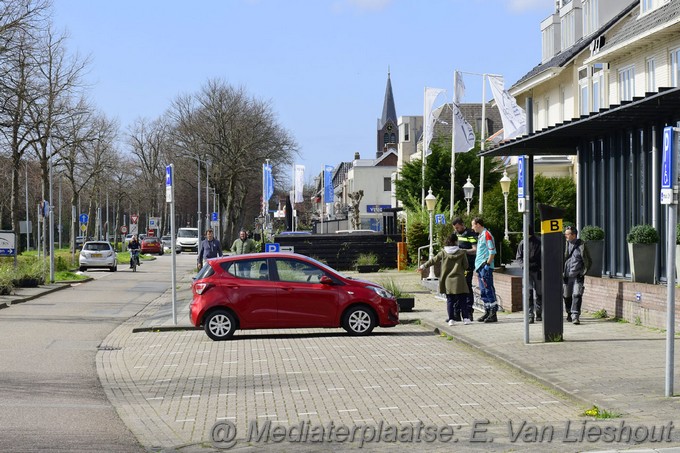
{"x":243,"y":244}
{"x":210,"y":248}
{"x":467,"y":240}
{"x":576,"y":263}
{"x":534,"y":284}
{"x":486,"y":252}
{"x":452,"y":277}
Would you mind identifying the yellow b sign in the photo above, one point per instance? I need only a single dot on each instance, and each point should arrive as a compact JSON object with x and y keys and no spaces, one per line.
{"x":551,"y":226}
{"x":83,"y":227}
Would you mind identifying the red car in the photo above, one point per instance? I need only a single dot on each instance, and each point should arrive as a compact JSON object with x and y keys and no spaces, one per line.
{"x":285,"y":290}
{"x":152,"y":245}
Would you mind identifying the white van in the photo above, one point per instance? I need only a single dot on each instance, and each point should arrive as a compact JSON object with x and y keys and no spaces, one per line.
{"x":187,"y":240}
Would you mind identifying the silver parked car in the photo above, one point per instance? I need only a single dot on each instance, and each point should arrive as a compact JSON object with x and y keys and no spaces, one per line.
{"x":167,"y":244}
{"x":98,"y":254}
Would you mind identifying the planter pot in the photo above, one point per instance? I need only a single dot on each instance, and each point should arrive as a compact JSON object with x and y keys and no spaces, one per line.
{"x":596,"y":252}
{"x":642,"y":260}
{"x":406,"y":303}
{"x":365,"y":268}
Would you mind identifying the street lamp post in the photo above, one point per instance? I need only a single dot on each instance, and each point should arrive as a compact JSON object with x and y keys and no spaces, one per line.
{"x":468,"y":189}
{"x":505,"y":187}
{"x":430,"y":202}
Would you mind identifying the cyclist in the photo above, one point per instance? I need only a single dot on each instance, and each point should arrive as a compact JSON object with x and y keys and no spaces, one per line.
{"x":132,"y":246}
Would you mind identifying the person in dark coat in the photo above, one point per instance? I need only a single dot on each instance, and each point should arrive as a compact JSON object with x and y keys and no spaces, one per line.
{"x":534,"y":284}
{"x":452,"y":279}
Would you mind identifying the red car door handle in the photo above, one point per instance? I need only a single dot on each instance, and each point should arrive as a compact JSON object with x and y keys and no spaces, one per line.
{"x":288,"y":289}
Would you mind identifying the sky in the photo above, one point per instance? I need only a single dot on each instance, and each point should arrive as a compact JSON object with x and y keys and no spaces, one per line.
{"x":321,"y":64}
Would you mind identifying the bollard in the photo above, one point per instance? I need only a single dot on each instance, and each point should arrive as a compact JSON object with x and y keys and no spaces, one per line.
{"x":401,"y":256}
{"x":552,"y":263}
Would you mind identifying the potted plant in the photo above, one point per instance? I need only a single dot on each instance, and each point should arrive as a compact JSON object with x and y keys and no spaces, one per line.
{"x":367,"y":262}
{"x":642,"y":240}
{"x":405,"y":300}
{"x":593,"y":236}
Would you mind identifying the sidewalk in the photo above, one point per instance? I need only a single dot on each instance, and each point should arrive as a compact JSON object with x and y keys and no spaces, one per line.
{"x":617,"y":366}
{"x":20,"y":295}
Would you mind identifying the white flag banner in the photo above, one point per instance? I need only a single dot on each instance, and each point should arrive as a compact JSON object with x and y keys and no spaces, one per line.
{"x":464,"y":135}
{"x":431,"y":95}
{"x":514,"y":118}
{"x":299,"y":183}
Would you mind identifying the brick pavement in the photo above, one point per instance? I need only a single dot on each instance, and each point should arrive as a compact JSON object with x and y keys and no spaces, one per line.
{"x":170,"y":387}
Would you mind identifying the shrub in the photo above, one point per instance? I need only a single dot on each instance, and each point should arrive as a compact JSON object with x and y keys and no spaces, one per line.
{"x":393,"y":287}
{"x":642,"y":234}
{"x":367,"y":259}
{"x":592,"y":233}
{"x":677,"y":234}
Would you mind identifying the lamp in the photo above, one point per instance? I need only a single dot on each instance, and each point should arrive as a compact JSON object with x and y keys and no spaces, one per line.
{"x":505,"y":187}
{"x":468,"y":189}
{"x":431,"y":202}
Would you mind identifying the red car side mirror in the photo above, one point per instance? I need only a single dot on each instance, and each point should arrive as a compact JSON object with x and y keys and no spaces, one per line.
{"x":326,"y":280}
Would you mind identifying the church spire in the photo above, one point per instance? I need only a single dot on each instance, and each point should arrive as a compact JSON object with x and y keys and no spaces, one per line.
{"x":389,"y":112}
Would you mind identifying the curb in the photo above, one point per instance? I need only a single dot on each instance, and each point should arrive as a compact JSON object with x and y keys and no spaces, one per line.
{"x":164,"y":329}
{"x":19,"y":300}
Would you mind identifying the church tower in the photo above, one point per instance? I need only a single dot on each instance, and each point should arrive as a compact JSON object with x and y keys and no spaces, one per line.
{"x":388,"y":135}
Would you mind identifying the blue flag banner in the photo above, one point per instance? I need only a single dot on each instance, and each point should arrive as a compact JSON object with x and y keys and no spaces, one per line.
{"x":268,"y":181}
{"x":328,"y":183}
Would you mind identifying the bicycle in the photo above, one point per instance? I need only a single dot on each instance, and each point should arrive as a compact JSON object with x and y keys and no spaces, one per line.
{"x":479,"y":304}
{"x":134,"y":259}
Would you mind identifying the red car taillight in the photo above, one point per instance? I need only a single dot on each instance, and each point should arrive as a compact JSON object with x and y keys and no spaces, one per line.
{"x":200,"y":288}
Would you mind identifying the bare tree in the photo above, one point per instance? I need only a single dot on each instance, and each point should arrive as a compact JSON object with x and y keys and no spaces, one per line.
{"x":235,"y":134}
{"x":58,"y":80}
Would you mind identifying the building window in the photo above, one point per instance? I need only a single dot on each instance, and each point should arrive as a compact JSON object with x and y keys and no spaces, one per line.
{"x":590,"y":16}
{"x":650,"y":75}
{"x":627,"y":84}
{"x":386,"y":138}
{"x":393,"y":138}
{"x":646,"y":5}
{"x":563,"y":107}
{"x":584,"y":92}
{"x":598,"y":84}
{"x":546,"y":116}
{"x":406,"y":132}
{"x":548,"y":43}
{"x":568,"y":29}
{"x":675,"y":67}
{"x":387,"y":184}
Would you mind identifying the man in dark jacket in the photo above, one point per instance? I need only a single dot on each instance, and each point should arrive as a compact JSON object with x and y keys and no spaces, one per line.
{"x":467,"y":240}
{"x":210,"y":248}
{"x":576,"y":263}
{"x":534,"y":284}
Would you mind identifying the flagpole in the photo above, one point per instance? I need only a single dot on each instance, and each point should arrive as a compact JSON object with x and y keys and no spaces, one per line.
{"x":323,"y":193}
{"x":423,"y":150}
{"x":481,"y":146}
{"x":453,"y":144}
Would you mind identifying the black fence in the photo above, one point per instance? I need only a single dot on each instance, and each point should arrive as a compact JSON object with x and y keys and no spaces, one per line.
{"x":341,"y":250}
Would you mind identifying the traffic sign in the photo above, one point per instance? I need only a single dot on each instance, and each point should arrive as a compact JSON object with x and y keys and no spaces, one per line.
{"x":123,"y":229}
{"x":667,"y":165}
{"x":83,"y":227}
{"x":521,"y":176}
{"x":168,"y":183}
{"x":83,"y":218}
{"x":214,"y":217}
{"x":440,"y":219}
{"x":134,"y":218}
{"x":272,"y":247}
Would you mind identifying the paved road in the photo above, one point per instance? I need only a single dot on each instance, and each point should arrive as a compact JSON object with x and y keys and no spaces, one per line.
{"x":50,"y":395}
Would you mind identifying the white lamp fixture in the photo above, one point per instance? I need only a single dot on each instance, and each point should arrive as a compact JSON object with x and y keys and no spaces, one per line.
{"x":505,"y":188}
{"x":468,"y":189}
{"x":431,"y":202}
